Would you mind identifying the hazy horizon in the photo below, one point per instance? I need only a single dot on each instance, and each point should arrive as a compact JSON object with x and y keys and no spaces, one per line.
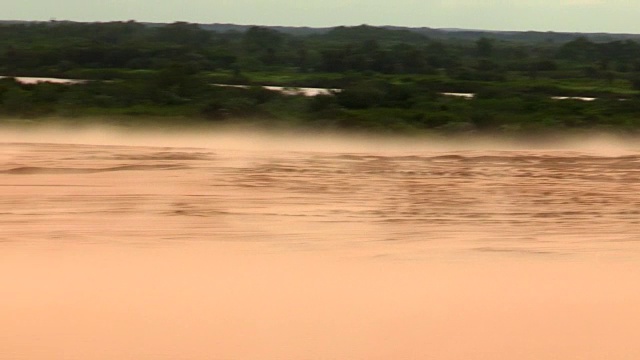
{"x":593,"y":16}
{"x":326,"y":27}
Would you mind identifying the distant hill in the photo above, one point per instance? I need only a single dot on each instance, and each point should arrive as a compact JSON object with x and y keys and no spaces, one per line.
{"x":406,"y":34}
{"x":365,"y":32}
{"x":292,"y":30}
{"x":525,"y":36}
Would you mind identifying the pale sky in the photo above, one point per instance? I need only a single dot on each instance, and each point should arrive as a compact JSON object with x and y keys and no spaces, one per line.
{"x":543,"y":15}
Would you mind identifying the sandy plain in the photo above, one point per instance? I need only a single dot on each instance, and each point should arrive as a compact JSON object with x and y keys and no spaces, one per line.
{"x":249,"y":246}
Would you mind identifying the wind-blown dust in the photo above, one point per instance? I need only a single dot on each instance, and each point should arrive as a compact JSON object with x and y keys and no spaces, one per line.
{"x":254,"y":246}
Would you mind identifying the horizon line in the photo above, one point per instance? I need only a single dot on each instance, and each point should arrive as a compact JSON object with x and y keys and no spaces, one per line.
{"x":450,"y":29}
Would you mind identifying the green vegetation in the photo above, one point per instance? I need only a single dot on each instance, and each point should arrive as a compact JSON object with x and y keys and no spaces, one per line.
{"x":391,"y":79}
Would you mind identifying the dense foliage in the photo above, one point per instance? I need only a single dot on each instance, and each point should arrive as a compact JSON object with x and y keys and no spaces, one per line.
{"x":391,"y":78}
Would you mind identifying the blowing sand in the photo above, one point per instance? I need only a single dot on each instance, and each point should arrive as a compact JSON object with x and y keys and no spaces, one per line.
{"x":250,"y":246}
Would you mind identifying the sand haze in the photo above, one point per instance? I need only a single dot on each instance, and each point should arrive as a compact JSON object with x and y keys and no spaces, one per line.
{"x":298,"y":246}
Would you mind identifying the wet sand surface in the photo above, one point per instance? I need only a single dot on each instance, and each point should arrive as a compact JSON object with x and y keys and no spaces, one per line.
{"x":223,"y":250}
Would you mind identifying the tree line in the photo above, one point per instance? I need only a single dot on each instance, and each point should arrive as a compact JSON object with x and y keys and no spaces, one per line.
{"x":61,"y":48}
{"x":391,"y":78}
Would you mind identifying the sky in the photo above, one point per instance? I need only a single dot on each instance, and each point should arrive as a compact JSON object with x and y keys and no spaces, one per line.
{"x":619,"y":16}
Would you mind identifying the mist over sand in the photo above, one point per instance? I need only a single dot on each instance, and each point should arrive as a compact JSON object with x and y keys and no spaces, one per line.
{"x":237,"y":244}
{"x":247,"y":137}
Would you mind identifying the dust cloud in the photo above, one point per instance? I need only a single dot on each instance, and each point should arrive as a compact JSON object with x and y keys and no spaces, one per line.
{"x":244,"y":245}
{"x":246,"y":137}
